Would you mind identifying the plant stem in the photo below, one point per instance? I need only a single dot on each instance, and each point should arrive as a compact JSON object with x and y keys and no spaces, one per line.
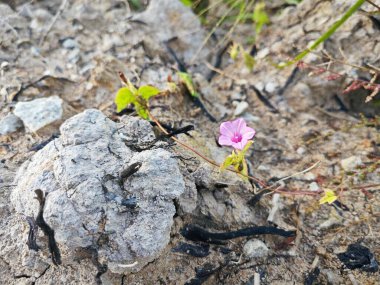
{"x":200,"y":154}
{"x":329,"y":32}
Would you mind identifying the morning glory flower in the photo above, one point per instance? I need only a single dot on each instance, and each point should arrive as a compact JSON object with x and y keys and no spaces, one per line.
{"x":235,"y":133}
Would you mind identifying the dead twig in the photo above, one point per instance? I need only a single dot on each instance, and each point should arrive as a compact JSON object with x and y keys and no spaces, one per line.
{"x":54,"y":20}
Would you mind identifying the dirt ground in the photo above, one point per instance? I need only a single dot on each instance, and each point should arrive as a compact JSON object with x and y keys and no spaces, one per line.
{"x":74,"y":49}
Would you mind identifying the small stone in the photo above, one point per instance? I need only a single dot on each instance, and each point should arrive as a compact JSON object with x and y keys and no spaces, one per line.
{"x":74,"y":55}
{"x":250,"y":118}
{"x":255,"y":248}
{"x":332,"y":221}
{"x":9,"y":124}
{"x":237,"y":96}
{"x":262,"y":53}
{"x":39,"y":113}
{"x":270,"y":87}
{"x":241,"y":107}
{"x":70,"y":44}
{"x":263,"y":168}
{"x":333,"y":278}
{"x":301,"y":150}
{"x":3,"y":92}
{"x":4,"y":65}
{"x":309,"y":176}
{"x":314,"y":186}
{"x":351,"y":163}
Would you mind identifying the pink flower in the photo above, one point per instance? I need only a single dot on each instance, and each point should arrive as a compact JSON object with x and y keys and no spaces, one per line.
{"x":235,"y":133}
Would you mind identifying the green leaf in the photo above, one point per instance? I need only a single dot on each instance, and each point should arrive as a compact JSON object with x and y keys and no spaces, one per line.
{"x":188,"y":81}
{"x":234,"y":51}
{"x":260,"y":17}
{"x":246,"y":147}
{"x":142,"y":110}
{"x":147,"y":91}
{"x":295,"y":2}
{"x":249,"y":60}
{"x":227,"y":162}
{"x":187,"y":3}
{"x":329,"y":197}
{"x":123,"y":98}
{"x":326,"y":35}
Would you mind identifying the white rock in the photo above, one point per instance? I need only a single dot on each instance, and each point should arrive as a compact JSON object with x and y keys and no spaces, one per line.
{"x":255,"y":248}
{"x":4,"y":65}
{"x":168,"y":19}
{"x":9,"y":124}
{"x":332,"y":221}
{"x":262,"y":53}
{"x":39,"y":113}
{"x":301,"y":150}
{"x":351,"y":163}
{"x":314,"y":186}
{"x":251,"y":118}
{"x":70,"y":44}
{"x":271,"y":87}
{"x":309,"y":176}
{"x":263,"y":168}
{"x":237,"y":96}
{"x":241,"y":107}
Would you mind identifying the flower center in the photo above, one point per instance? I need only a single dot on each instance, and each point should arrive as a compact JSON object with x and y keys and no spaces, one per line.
{"x":237,"y":138}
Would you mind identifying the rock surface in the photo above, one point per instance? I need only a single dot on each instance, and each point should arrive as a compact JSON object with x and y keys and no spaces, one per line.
{"x":350,"y":163}
{"x":255,"y":248}
{"x":39,"y":113}
{"x":10,"y":124}
{"x":88,"y":203}
{"x":171,"y":20}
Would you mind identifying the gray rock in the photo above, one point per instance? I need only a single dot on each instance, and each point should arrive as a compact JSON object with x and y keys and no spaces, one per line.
{"x":255,"y":248}
{"x":270,"y":87}
{"x":39,"y":113}
{"x":333,"y":278}
{"x":313,"y":186}
{"x":351,"y":163}
{"x":168,"y":19}
{"x":240,"y":108}
{"x":9,"y":124}
{"x":80,"y":174}
{"x":70,"y":43}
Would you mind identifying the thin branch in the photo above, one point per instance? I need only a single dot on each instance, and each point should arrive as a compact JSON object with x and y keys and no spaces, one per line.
{"x":373,"y":4}
{"x":200,"y":154}
{"x":52,"y":23}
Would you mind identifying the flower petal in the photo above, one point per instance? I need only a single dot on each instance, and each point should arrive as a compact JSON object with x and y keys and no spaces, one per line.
{"x":227,"y":129}
{"x":240,"y":145}
{"x":225,"y":140}
{"x":238,"y":125}
{"x":248,"y":133}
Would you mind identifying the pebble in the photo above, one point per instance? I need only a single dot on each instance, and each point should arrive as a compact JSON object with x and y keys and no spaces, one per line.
{"x":4,"y":65}
{"x":255,"y":248}
{"x":309,"y":176}
{"x":74,"y":55}
{"x":39,"y":113}
{"x":270,"y":87}
{"x":251,"y":118}
{"x":301,"y":150}
{"x":241,"y":107}
{"x":333,"y":278}
{"x":70,"y":44}
{"x":237,"y":96}
{"x":10,"y":124}
{"x":351,"y":163}
{"x":262,"y":53}
{"x":332,"y":221}
{"x":314,"y":186}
